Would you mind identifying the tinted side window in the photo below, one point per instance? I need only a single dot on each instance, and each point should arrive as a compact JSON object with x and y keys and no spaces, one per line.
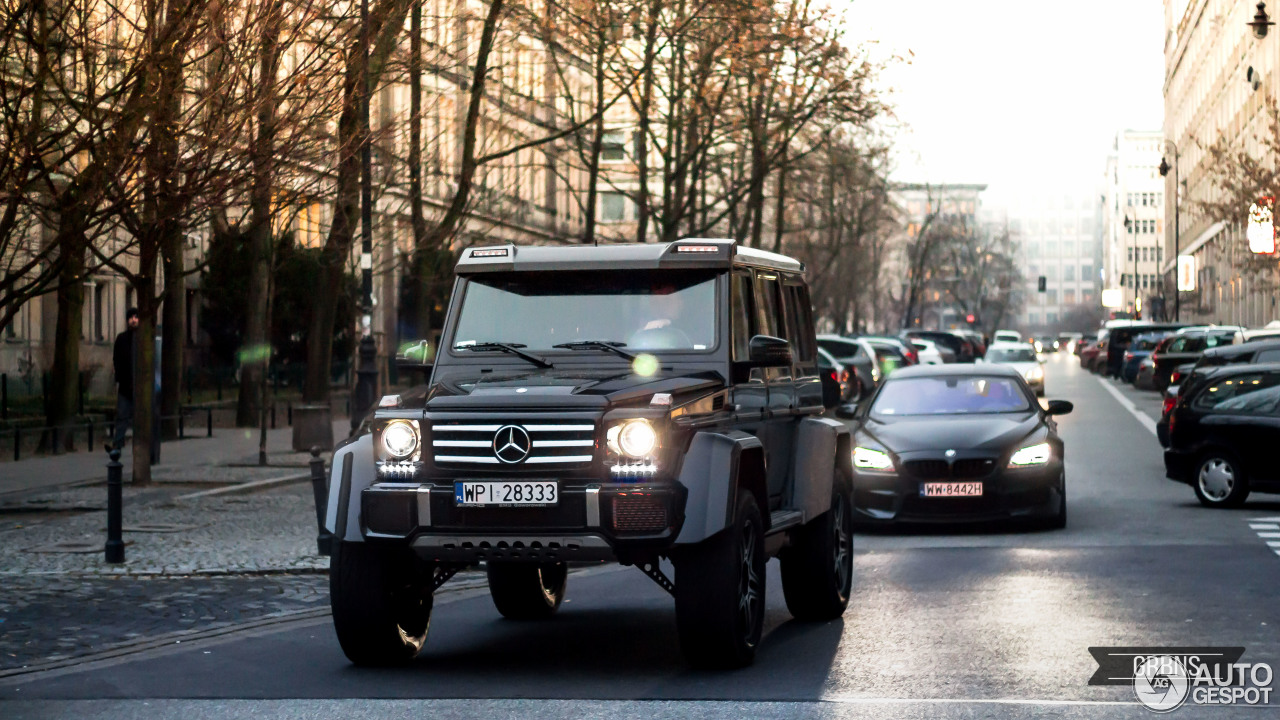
{"x":801,"y":322}
{"x":740,"y":292}
{"x":768,"y":317}
{"x":1267,"y":356}
{"x":1251,"y":394}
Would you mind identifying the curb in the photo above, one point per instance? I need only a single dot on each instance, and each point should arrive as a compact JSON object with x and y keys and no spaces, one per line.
{"x":245,"y":488}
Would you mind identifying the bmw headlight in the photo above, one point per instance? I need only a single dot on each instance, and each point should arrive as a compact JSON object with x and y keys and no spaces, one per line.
{"x":868,"y":459}
{"x":400,"y":439}
{"x":1031,"y":455}
{"x":633,"y":438}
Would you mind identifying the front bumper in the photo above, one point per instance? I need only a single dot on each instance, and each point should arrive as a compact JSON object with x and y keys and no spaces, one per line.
{"x":1007,"y":494}
{"x":591,"y":522}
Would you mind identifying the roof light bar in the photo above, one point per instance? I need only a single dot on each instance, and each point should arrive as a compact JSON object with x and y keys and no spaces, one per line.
{"x":489,"y":252}
{"x":697,"y":248}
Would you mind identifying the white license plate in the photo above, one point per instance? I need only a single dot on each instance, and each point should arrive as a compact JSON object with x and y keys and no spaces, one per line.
{"x":951,"y":489}
{"x":504,"y":493}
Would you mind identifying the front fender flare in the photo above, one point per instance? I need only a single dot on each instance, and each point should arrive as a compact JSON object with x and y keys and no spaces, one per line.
{"x":712,"y":470}
{"x":351,"y":472}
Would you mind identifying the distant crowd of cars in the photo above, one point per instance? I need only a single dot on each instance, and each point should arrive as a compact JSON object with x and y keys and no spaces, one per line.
{"x":1220,"y":416}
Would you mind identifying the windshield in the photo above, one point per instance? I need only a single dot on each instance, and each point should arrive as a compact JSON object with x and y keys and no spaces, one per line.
{"x":950,"y":396}
{"x":998,"y":355}
{"x":666,"y":310}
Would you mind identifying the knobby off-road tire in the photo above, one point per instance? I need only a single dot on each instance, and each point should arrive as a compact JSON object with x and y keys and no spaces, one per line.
{"x":527,"y":591}
{"x":720,"y":592}
{"x":381,"y":603}
{"x":817,"y":570}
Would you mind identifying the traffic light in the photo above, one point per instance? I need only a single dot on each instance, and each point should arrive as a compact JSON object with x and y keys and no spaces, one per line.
{"x":969,"y":318}
{"x":1041,"y":284}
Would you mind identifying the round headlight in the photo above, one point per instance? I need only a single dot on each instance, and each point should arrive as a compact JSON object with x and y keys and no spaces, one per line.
{"x":637,"y":438}
{"x":400,"y":439}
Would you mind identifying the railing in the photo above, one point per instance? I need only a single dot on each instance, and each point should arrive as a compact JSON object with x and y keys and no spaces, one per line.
{"x":52,"y":438}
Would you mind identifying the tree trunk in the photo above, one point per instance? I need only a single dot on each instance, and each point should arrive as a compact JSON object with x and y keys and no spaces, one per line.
{"x":597,"y":144}
{"x":174,"y":333}
{"x":417,"y":215}
{"x":386,"y":20}
{"x":780,"y":214}
{"x":255,"y":353}
{"x":644,"y":123}
{"x":62,"y":396}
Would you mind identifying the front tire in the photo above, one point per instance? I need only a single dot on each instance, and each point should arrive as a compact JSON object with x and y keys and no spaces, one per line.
{"x":1059,"y":521}
{"x":720,"y":592}
{"x":381,"y":601}
{"x":1220,"y":480}
{"x":527,"y":591}
{"x":817,"y":570}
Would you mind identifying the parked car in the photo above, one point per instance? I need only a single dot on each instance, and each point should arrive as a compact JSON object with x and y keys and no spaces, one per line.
{"x":858,"y":355}
{"x":1120,"y":333}
{"x":1045,"y":344}
{"x":1247,"y":336}
{"x":1186,"y":347}
{"x":1145,"y":379}
{"x":1021,"y":357}
{"x":1264,"y":351}
{"x":962,"y":348}
{"x":1140,"y":348}
{"x":1068,"y":341}
{"x":837,"y":380}
{"x":1006,"y":336}
{"x":975,"y":339}
{"x":931,"y":354}
{"x":1223,"y":434}
{"x":1089,"y":351}
{"x":892,"y":353}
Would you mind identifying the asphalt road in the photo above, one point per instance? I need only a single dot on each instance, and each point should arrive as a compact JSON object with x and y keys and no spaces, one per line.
{"x":949,"y":623}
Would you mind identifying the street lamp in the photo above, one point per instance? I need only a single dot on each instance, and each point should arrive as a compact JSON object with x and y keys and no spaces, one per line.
{"x":1261,"y":23}
{"x":1164,"y":171}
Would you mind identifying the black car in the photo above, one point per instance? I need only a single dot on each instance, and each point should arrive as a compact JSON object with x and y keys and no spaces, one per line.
{"x":958,"y":443}
{"x":1119,"y":335}
{"x":1186,"y":377}
{"x":837,"y":380}
{"x":623,"y":403}
{"x":1223,"y":434}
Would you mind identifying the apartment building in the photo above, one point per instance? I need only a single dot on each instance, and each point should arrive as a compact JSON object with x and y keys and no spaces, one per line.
{"x":1133,"y":223}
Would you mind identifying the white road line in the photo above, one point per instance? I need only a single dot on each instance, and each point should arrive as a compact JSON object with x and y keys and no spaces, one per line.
{"x":968,"y":701}
{"x":1264,"y":526}
{"x":1269,"y":534}
{"x":1143,"y":419}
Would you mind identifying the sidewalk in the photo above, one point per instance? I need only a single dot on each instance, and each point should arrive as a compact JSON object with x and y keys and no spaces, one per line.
{"x":223,"y":458}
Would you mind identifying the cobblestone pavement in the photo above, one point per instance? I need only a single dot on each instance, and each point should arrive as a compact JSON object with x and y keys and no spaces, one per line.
{"x":49,"y":618}
{"x":269,"y":531}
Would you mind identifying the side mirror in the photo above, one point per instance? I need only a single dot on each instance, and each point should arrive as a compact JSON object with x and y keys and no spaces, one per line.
{"x":1059,"y":407}
{"x":848,"y":411}
{"x":769,"y":351}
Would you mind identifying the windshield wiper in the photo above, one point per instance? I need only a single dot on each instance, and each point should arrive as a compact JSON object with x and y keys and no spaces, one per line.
{"x":513,"y":348}
{"x":612,"y":346}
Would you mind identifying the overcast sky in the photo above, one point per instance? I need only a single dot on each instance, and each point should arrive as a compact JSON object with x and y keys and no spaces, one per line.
{"x":1019,"y":95}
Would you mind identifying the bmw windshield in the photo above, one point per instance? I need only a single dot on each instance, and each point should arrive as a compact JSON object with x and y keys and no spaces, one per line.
{"x":583,"y":311}
{"x":955,"y":395}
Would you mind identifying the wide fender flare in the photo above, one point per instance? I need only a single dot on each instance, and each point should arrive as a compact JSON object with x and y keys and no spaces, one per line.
{"x":821,"y":443}
{"x":351,"y":472}
{"x":715,"y":465}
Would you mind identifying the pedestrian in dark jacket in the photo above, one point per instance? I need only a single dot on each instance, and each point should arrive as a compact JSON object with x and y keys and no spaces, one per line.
{"x":122,"y":359}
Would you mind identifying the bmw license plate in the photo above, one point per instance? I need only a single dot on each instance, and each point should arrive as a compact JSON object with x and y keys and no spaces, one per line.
{"x":951,"y":489}
{"x":506,"y":494}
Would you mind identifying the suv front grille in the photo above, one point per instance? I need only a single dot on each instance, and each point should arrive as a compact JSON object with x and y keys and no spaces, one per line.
{"x":512,"y":444}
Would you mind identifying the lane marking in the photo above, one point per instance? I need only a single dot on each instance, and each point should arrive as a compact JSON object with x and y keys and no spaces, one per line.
{"x":971,"y":701}
{"x":1144,"y":419}
{"x":1269,"y":534}
{"x":1264,"y":526}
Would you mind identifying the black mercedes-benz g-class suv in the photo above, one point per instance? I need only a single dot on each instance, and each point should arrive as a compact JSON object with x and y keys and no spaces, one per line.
{"x":625,"y":403}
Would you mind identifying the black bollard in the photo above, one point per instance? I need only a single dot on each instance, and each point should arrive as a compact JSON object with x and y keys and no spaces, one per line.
{"x":115,"y":546}
{"x":319,"y":488}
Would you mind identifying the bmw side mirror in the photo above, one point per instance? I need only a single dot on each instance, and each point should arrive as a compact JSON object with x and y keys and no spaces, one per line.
{"x":769,"y":351}
{"x":847,"y":411}
{"x":1059,"y":407}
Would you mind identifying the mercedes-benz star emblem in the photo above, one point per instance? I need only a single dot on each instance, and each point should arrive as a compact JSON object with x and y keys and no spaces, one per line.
{"x":511,"y":444}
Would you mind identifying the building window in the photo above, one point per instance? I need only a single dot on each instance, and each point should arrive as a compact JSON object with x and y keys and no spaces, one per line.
{"x":1130,"y":254}
{"x":1051,"y":298}
{"x":1068,"y":297}
{"x":613,"y":147}
{"x":1086,"y":272}
{"x":1159,"y":254}
{"x":1051,"y":318}
{"x":613,"y":207}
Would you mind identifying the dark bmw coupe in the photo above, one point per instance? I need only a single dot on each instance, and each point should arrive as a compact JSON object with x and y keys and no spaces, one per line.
{"x":948,"y":443}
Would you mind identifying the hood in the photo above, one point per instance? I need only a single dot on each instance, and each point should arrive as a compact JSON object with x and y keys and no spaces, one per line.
{"x":995,"y":432}
{"x":459,"y":388}
{"x":1021,"y":367}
